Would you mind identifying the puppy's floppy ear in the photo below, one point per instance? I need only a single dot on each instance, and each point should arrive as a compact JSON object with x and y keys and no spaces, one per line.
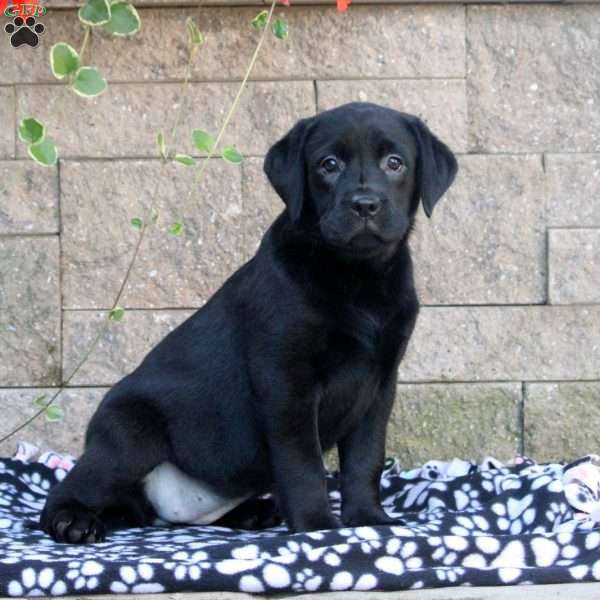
{"x":436,"y":165}
{"x":284,"y":166}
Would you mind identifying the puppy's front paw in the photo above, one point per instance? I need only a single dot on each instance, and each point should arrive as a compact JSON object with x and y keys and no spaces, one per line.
{"x":357,"y":517}
{"x":73,"y":525}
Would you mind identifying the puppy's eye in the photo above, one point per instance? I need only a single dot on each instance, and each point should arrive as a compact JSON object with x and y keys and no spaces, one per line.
{"x":330,"y":164}
{"x":394,"y":163}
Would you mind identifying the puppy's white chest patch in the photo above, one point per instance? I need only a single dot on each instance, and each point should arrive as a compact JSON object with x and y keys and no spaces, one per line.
{"x":179,"y":498}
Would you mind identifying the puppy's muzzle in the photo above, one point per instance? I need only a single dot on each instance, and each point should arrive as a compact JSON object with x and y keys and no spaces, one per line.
{"x":366,"y":206}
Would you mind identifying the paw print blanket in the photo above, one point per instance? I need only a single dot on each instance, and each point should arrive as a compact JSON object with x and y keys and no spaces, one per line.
{"x":460,"y":523}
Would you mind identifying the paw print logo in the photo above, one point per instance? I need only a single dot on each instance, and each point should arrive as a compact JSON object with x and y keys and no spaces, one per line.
{"x":24,"y":31}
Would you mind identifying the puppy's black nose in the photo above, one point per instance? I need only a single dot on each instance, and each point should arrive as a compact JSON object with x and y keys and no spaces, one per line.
{"x":365,"y":206}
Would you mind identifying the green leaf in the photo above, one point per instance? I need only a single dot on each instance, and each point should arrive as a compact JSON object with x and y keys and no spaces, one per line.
{"x":124,"y":19}
{"x":196,"y":38}
{"x":95,"y":12}
{"x":137,"y":223}
{"x":64,"y":60}
{"x":280,"y":29}
{"x":54,"y":414}
{"x":40,"y":401}
{"x":44,"y":153}
{"x":231,"y":155}
{"x":162,"y":146}
{"x":154,"y":215}
{"x":202,"y":140}
{"x":31,"y":131}
{"x":176,"y":229}
{"x":260,"y":20}
{"x":184,"y":159}
{"x":116,"y":314}
{"x":88,"y":82}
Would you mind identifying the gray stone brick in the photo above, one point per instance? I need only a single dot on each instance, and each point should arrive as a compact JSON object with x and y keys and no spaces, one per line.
{"x":530,"y":81}
{"x":65,"y":436}
{"x":261,"y":204}
{"x":574,"y":265}
{"x":410,"y":41}
{"x":440,"y":103}
{"x":99,"y":199}
{"x":485,"y":242}
{"x":561,"y":420}
{"x":508,"y":343}
{"x":573,"y":190}
{"x":7,"y":119}
{"x":444,"y":421}
{"x":122,"y":345}
{"x":29,"y":311}
{"x":125,"y":120}
{"x":28,"y":198}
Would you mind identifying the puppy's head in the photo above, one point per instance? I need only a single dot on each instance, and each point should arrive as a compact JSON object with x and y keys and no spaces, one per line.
{"x":356,"y":174}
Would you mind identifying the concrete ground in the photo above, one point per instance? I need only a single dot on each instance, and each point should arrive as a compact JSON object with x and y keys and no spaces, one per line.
{"x":575,"y":591}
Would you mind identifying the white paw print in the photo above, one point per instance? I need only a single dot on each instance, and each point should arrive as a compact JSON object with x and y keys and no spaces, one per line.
{"x":466,"y":496}
{"x":463,"y":526}
{"x":445,"y":548}
{"x":136,"y":580}
{"x":400,"y":557}
{"x":187,"y":566}
{"x":84,"y":574}
{"x":415,"y":494}
{"x":37,"y":584}
{"x":32,"y":502}
{"x":367,"y":537}
{"x":511,"y":482}
{"x":556,"y":513}
{"x":307,"y":580}
{"x":36,"y":483}
{"x":289,"y":553}
{"x":450,"y":575}
{"x":291,"y":547}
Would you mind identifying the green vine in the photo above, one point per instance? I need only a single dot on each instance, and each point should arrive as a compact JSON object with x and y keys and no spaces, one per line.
{"x":121,"y":18}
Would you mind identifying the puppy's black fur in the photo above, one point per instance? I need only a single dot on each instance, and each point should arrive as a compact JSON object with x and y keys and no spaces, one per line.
{"x":297,"y":352}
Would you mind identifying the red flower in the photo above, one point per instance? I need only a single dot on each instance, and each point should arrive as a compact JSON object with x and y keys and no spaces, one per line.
{"x":342,"y":5}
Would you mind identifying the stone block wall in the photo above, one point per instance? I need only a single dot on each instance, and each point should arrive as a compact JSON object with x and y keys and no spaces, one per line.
{"x":506,"y":354}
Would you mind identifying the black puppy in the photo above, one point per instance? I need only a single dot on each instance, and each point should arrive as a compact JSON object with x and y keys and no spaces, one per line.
{"x":297,"y":352}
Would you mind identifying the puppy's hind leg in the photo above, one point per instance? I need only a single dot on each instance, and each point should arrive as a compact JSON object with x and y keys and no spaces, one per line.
{"x":104,"y":483}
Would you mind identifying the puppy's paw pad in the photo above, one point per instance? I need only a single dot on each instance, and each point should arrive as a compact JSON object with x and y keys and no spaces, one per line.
{"x":76,"y":526}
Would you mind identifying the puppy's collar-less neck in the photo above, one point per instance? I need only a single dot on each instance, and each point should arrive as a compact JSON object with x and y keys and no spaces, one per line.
{"x":305,"y":240}
{"x":309,"y":260}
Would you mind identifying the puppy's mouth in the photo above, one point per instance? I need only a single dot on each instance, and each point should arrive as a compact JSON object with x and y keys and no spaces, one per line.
{"x":365,"y":239}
